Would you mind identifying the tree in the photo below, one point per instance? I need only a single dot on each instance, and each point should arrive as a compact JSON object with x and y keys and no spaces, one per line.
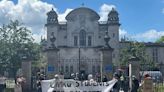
{"x":136,"y":49}
{"x":160,"y":40}
{"x":16,"y":42}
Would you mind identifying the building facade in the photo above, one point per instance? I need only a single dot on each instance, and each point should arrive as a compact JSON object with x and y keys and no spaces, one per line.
{"x":154,"y":51}
{"x":79,"y":40}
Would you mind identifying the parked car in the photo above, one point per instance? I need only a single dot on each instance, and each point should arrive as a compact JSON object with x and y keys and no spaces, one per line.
{"x":155,"y":75}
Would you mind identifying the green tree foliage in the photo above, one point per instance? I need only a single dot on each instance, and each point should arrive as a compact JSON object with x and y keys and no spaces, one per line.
{"x":135,"y":49}
{"x":16,"y":43}
{"x":160,"y":40}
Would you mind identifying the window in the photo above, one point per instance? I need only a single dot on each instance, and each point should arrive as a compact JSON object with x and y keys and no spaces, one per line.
{"x":66,"y":69}
{"x":82,"y":38}
{"x":71,"y":69}
{"x":62,"y":69}
{"x":75,"y":40}
{"x":89,"y":40}
{"x":155,"y":54}
{"x":98,"y":69}
{"x":93,"y":69}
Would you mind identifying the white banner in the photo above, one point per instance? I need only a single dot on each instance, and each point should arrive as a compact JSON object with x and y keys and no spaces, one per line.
{"x":71,"y":85}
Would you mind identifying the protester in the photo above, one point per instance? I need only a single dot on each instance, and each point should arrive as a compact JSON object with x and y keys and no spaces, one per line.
{"x":57,"y":88}
{"x":105,"y":79}
{"x":116,"y":86}
{"x":126,"y":84}
{"x":98,"y":77}
{"x":18,"y":87}
{"x":82,"y":77}
{"x":23,"y":83}
{"x":77,"y":76}
{"x":73,"y":76}
{"x":147,"y":84}
{"x":39,"y":88}
{"x":2,"y":83}
{"x":90,"y":80}
{"x":61,"y":75}
{"x":122,"y":82}
{"x":135,"y":84}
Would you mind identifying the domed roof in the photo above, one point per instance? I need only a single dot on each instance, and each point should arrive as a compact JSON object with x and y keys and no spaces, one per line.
{"x":52,"y":12}
{"x":82,"y":10}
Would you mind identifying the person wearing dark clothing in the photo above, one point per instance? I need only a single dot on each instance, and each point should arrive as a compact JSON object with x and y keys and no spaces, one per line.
{"x":105,"y":79}
{"x":39,"y":89}
{"x":116,"y":86}
{"x":135,"y":84}
{"x":126,"y":84}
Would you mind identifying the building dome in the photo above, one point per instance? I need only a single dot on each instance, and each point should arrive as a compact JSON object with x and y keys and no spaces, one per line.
{"x":113,"y":17}
{"x":83,"y":10}
{"x":52,"y":17}
{"x":52,"y":13}
{"x":113,"y":12}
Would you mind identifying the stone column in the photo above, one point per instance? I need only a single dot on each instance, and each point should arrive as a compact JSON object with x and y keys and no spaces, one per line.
{"x":53,"y":62}
{"x":134,"y":61}
{"x":106,"y":62}
{"x":26,"y":69}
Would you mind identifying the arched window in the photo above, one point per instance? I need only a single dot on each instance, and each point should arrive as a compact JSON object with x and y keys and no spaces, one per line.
{"x":89,"y":40}
{"x":75,"y":40}
{"x":82,"y":38}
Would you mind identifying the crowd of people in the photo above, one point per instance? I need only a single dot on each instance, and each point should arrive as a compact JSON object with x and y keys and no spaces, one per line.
{"x":122,"y":85}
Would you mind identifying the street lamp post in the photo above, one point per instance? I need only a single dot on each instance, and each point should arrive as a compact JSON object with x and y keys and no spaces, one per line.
{"x":26,"y":68}
{"x":107,"y":46}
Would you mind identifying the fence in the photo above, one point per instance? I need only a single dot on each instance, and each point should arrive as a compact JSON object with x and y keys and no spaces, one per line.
{"x":157,"y":74}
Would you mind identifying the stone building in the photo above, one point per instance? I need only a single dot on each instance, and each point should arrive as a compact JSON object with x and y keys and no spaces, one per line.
{"x":155,"y":51}
{"x":78,"y":41}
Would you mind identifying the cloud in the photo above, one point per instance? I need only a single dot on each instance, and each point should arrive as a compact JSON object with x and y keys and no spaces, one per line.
{"x":62,"y":16}
{"x":104,"y":10}
{"x":122,"y":33}
{"x":32,"y":13}
{"x":150,"y":35}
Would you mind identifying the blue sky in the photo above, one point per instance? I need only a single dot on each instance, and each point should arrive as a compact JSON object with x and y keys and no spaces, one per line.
{"x":141,"y":20}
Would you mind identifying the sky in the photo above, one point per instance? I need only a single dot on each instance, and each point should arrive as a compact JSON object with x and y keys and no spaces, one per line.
{"x":141,"y":20}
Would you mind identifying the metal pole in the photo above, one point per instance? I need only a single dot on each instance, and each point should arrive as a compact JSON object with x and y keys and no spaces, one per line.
{"x":101,"y":64}
{"x":130,"y":77}
{"x":79,"y":60}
